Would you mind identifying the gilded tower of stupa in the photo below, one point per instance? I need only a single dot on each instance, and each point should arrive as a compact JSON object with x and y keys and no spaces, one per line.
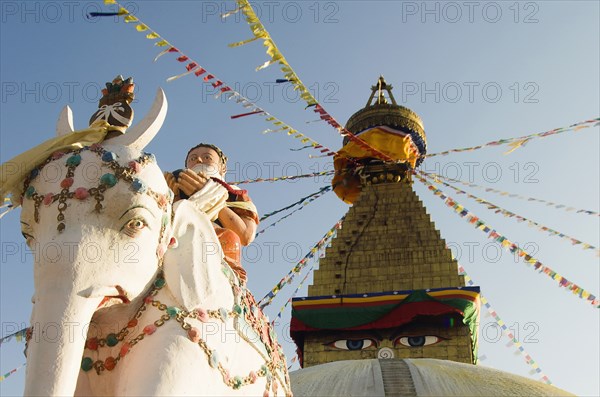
{"x":388,"y":286}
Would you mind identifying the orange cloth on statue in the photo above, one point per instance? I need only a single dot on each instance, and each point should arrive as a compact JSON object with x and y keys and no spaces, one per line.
{"x":232,"y":250}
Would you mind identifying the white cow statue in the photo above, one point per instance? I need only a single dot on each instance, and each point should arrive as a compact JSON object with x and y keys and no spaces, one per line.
{"x":138,"y":301}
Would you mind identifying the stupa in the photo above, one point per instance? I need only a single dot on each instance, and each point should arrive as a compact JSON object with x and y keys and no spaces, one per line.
{"x":388,"y":313}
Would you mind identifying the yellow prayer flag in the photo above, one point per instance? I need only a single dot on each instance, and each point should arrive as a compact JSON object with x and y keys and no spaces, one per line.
{"x":266,"y":64}
{"x":241,"y":43}
{"x":152,"y":36}
{"x":130,"y":18}
{"x":141,"y":27}
{"x":109,"y":1}
{"x":162,"y":43}
{"x":515,"y":145}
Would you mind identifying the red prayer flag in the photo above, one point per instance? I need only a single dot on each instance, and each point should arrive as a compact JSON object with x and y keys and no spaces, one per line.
{"x":225,"y":89}
{"x":173,"y":49}
{"x":237,"y":116}
{"x":200,"y":71}
{"x":217,"y":83}
{"x":182,"y":58}
{"x":191,"y":66}
{"x":319,"y":109}
{"x":208,"y":77}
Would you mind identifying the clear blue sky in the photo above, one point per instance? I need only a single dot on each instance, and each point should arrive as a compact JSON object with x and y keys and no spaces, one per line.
{"x":533,"y":66}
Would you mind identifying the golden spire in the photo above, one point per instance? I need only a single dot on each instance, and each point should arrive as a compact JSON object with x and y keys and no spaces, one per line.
{"x":380,"y":112}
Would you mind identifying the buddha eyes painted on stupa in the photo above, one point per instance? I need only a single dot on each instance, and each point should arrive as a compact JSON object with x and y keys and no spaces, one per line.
{"x":417,"y":340}
{"x":398,"y":342}
{"x":352,"y":344}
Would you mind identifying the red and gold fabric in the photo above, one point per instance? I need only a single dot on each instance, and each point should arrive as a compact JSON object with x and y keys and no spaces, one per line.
{"x":392,"y":142}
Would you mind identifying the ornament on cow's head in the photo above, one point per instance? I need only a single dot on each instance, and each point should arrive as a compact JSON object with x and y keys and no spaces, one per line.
{"x":116,"y":172}
{"x":114,"y":105}
{"x":114,"y":115}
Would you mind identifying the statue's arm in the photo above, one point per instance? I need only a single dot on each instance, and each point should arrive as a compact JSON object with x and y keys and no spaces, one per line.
{"x":242,"y":225}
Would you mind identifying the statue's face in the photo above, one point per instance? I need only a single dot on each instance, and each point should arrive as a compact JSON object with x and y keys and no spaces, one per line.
{"x":114,"y":247}
{"x":207,"y":157}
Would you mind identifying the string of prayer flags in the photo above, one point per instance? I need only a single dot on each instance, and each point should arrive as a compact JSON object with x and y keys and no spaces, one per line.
{"x":225,"y":15}
{"x":7,"y":206}
{"x":317,"y":193}
{"x":518,"y":196}
{"x":513,"y":341}
{"x":287,"y":279}
{"x":194,"y":67}
{"x":519,"y":218}
{"x":347,"y":134}
{"x":527,"y":258}
{"x":279,"y":314}
{"x":19,"y":336}
{"x":9,"y":373}
{"x":163,"y":52}
{"x":284,"y":178}
{"x":260,"y":32}
{"x":297,"y":150}
{"x":7,"y":203}
{"x":275,"y":56}
{"x":237,"y":116}
{"x":313,"y":198}
{"x":518,"y":142}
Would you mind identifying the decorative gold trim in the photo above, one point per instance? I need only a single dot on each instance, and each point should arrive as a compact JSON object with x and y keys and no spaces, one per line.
{"x":386,"y":114}
{"x":379,"y":112}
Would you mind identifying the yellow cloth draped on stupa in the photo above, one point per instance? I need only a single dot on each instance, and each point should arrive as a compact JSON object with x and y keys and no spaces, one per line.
{"x":392,"y":142}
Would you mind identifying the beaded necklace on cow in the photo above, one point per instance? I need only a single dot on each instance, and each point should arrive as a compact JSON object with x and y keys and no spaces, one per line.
{"x":108,"y":180}
{"x":171,"y":312}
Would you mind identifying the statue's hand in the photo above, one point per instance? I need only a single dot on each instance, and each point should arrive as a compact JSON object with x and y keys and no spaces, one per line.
{"x":190,"y":182}
{"x":172,"y":183}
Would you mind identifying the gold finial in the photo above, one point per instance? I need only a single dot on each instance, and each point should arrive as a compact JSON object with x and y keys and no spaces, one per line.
{"x":380,"y":98}
{"x":379,"y":111}
{"x":379,"y":89}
